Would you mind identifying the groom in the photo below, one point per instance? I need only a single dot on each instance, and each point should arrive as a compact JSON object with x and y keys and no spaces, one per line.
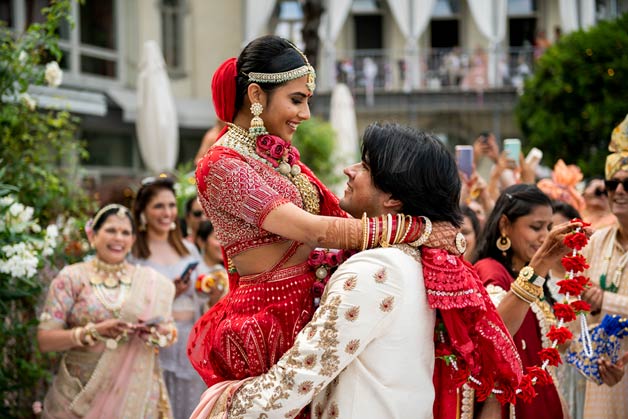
{"x":369,"y":351}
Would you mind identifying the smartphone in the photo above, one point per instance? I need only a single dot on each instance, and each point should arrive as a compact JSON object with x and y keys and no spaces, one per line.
{"x":534,"y":157}
{"x":185,"y":276}
{"x":512,"y":147}
{"x":464,"y":158}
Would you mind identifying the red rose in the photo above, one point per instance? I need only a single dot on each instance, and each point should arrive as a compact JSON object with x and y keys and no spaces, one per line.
{"x":292,"y":157}
{"x":576,"y":240}
{"x":527,"y":389}
{"x":582,"y":280}
{"x":580,"y":306}
{"x":332,"y":259}
{"x":276,"y":151}
{"x":559,"y":334}
{"x":265,"y":142}
{"x":483,"y":390}
{"x":317,"y":258}
{"x":575,"y":263}
{"x":542,"y":376}
{"x":564,"y":311}
{"x":570,"y":286}
{"x":551,"y":355}
{"x":317,"y":289}
{"x":507,"y":395}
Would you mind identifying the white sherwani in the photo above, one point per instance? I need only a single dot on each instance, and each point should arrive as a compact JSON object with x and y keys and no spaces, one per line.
{"x":367,"y":353}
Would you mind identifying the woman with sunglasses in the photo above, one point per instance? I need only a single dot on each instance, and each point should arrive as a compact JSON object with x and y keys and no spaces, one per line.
{"x":194,"y":215}
{"x":607,"y":254}
{"x":270,"y":211}
{"x":597,"y":210}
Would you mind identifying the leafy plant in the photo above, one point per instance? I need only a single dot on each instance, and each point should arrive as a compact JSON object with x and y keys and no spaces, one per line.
{"x":39,"y":156}
{"x":315,"y":141}
{"x":577,"y":95}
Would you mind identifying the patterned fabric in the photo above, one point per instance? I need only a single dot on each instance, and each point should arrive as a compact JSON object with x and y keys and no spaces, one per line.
{"x":237,"y":193}
{"x":261,"y":315}
{"x":604,"y":402}
{"x":618,"y":160}
{"x":529,"y":341}
{"x":84,"y":382}
{"x":374,"y":313}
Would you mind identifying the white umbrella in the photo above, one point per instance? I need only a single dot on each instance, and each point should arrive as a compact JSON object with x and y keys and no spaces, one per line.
{"x":343,"y":121}
{"x":156,"y":125}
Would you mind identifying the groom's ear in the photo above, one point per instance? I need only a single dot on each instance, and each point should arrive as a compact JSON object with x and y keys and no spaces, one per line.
{"x":393,"y":204}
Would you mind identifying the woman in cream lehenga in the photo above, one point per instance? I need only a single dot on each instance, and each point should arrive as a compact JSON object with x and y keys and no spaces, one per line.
{"x":108,"y":318}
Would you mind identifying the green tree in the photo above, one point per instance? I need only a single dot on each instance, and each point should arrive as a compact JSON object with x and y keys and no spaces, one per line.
{"x":315,"y":141}
{"x":39,"y":156}
{"x":577,"y":95}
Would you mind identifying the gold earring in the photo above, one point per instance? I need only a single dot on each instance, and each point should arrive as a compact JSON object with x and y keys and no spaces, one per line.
{"x":503,"y":244}
{"x":257,"y":127}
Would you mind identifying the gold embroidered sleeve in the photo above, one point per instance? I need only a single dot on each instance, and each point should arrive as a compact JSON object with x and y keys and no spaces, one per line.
{"x":358,"y":306}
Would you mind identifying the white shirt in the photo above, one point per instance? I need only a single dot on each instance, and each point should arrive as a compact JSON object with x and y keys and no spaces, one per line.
{"x":367,"y":353}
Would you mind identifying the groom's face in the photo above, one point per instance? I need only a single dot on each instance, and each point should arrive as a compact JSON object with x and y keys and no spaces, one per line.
{"x":361,"y":195}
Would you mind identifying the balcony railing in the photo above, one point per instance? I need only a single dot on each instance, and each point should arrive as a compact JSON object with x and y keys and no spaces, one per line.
{"x":455,"y":68}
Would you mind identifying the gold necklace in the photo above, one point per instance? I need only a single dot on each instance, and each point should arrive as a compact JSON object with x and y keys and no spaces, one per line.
{"x":109,"y":275}
{"x":237,"y":139}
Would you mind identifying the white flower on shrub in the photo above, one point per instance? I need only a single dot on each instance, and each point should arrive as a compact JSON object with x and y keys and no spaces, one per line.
{"x":22,"y":241}
{"x":21,"y":261}
{"x":53,"y":74}
{"x":22,"y":57}
{"x":30,"y":103}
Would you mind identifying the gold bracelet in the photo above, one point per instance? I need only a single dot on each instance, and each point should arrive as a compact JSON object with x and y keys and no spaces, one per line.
{"x":365,"y":231}
{"x":76,"y":336}
{"x":529,"y":287}
{"x":522,"y":294}
{"x":382,"y":240}
{"x":408,"y":227}
{"x":427,"y":231}
{"x":91,"y":334}
{"x":400,"y":226}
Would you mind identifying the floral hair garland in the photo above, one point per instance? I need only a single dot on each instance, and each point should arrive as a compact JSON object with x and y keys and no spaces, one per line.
{"x":566,"y":311}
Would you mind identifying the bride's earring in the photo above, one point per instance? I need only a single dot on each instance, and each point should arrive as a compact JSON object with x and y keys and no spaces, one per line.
{"x":257,"y":127}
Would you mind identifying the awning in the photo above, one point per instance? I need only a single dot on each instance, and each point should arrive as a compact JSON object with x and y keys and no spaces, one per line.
{"x":76,"y":101}
{"x":191,"y":113}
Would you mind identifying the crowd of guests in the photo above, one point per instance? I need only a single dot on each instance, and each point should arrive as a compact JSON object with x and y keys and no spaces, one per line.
{"x":149,"y":322}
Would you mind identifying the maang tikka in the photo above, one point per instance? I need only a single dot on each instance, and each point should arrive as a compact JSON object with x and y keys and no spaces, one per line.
{"x":257,"y":127}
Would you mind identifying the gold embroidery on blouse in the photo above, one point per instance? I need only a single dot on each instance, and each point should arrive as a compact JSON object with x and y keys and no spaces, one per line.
{"x":352,"y":346}
{"x":380,"y":276}
{"x":387,"y":304}
{"x":352,"y":314}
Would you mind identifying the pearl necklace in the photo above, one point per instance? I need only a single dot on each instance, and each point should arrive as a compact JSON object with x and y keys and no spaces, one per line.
{"x":237,"y":139}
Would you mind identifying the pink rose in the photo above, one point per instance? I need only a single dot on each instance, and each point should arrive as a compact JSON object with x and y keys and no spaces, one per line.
{"x":317,"y":258}
{"x":292,"y":158}
{"x":317,"y":289}
{"x":332,"y":259}
{"x":265,"y":142}
{"x":276,"y":151}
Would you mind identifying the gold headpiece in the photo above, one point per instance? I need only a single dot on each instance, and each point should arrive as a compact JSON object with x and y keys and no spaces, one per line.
{"x":122,"y":212}
{"x":618,"y":160}
{"x":285,"y":76}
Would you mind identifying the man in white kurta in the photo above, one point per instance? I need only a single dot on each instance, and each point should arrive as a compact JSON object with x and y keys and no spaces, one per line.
{"x":370,"y":344}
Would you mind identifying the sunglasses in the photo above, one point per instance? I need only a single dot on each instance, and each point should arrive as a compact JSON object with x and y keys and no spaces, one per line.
{"x":600,"y":192}
{"x":612,"y":184}
{"x":197,"y":213}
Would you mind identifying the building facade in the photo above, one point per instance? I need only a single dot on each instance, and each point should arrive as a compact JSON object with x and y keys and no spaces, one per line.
{"x":449,"y":66}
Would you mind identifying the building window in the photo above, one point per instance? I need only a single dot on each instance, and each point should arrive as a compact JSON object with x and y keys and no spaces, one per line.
{"x":290,"y":22}
{"x":172,"y":42}
{"x":610,"y":9}
{"x":90,"y":48}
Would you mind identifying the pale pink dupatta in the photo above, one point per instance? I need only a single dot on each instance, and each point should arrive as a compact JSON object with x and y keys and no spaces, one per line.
{"x":214,"y":401}
{"x":123,"y":378}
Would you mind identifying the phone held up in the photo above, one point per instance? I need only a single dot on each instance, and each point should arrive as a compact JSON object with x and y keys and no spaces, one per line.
{"x":464,"y":158}
{"x":185,"y":276}
{"x":512,"y":147}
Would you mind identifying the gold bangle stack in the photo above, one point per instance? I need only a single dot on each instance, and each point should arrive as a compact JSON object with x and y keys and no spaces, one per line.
{"x":365,"y":231}
{"x":525,"y":290}
{"x":75,"y":336}
{"x":427,"y":231}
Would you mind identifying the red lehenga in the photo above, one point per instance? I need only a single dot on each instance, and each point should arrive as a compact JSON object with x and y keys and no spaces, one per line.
{"x":256,"y":322}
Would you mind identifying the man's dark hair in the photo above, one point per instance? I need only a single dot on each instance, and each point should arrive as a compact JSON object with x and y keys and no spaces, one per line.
{"x":415,"y":168}
{"x":188,"y":205}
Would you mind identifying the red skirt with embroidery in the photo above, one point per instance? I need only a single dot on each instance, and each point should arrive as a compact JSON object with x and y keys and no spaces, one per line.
{"x":246,"y":333}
